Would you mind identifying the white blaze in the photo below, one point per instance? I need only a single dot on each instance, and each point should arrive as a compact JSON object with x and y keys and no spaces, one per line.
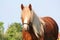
{"x":25,"y":21}
{"x":25,"y":25}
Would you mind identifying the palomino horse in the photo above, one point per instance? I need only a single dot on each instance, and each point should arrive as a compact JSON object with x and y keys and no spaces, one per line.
{"x":34,"y":28}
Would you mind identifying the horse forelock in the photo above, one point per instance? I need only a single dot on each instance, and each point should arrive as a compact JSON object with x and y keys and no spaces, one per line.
{"x":26,"y":14}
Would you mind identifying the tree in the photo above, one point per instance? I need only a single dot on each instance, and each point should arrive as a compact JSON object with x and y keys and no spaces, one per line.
{"x":1,"y":30}
{"x":1,"y":27}
{"x":14,"y":31}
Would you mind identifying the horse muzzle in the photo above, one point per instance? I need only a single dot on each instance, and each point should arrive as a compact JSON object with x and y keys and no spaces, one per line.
{"x":25,"y":27}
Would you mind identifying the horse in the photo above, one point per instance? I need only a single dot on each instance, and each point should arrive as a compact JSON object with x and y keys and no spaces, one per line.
{"x":37,"y":28}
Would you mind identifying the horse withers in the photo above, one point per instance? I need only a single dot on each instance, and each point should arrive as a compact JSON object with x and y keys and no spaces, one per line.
{"x":35,"y":28}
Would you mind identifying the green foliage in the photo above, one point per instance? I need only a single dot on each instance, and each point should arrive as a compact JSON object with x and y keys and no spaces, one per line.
{"x":1,"y":27}
{"x":1,"y":24}
{"x":14,"y":32}
{"x":1,"y":30}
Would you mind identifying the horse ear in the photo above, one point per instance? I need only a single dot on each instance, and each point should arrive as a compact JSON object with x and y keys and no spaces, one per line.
{"x":30,"y":7}
{"x":22,"y":7}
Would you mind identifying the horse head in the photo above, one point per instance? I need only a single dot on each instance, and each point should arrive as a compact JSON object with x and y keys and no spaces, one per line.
{"x":26,"y":16}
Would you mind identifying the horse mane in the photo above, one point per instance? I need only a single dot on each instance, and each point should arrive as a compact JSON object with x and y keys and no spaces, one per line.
{"x":37,"y":26}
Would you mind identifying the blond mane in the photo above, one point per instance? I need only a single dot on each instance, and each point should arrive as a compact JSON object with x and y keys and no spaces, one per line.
{"x":37,"y":25}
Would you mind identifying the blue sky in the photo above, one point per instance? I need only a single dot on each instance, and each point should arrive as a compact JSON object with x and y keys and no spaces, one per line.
{"x":10,"y":10}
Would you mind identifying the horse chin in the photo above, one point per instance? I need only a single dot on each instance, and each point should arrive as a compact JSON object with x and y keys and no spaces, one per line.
{"x":26,"y":29}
